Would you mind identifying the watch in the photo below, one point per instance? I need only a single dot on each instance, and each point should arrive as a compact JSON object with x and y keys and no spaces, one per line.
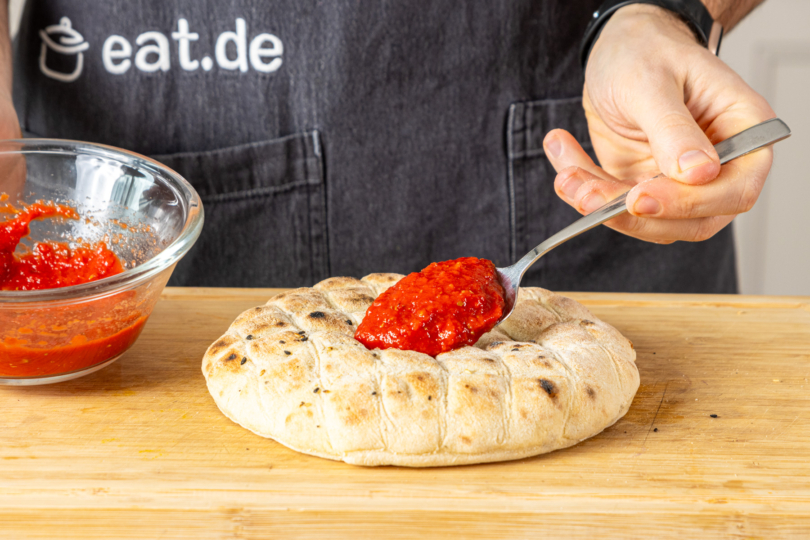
{"x":708,"y":31}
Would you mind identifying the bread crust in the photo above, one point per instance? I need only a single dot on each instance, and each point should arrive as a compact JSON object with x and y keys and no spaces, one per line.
{"x":549,"y":377}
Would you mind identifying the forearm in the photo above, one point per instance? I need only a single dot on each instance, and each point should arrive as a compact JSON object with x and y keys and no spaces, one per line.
{"x":5,"y":49}
{"x":730,"y":12}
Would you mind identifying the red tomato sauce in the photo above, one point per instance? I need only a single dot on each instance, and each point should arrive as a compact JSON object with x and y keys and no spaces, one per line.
{"x":61,"y":338}
{"x":20,"y":358}
{"x":49,"y":265}
{"x":445,"y":306}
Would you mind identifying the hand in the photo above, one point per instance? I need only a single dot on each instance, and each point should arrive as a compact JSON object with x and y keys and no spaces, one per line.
{"x":9,"y":124}
{"x":656,"y":101}
{"x":12,"y":166}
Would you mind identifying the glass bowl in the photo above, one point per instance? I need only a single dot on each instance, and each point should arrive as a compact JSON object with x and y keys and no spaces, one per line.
{"x":146,"y":213}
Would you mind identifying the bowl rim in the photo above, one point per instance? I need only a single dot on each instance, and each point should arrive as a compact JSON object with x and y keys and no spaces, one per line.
{"x":186,"y":194}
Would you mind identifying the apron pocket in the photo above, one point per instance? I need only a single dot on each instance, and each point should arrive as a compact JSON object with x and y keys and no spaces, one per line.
{"x":265,"y":214}
{"x":535,"y":210}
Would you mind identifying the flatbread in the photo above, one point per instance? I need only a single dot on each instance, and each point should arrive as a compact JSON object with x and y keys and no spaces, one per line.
{"x":549,"y":377}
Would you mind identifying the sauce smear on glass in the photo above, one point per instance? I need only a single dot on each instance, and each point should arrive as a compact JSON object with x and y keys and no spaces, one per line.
{"x":444,"y":307}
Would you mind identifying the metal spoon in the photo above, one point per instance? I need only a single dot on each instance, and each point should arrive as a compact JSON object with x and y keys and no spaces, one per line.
{"x":747,"y":141}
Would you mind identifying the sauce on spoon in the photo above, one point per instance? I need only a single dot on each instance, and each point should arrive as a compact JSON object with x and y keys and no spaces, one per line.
{"x":444,"y":307}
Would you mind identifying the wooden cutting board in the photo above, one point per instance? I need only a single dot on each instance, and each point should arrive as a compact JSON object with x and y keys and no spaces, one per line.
{"x":139,"y":450}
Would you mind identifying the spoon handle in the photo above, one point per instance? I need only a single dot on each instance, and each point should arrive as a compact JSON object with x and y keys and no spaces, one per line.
{"x":742,"y":143}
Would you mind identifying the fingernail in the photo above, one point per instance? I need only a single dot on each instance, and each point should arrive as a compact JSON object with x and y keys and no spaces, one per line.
{"x":692,"y":159}
{"x":570,"y":186}
{"x":646,"y":205}
{"x":554,"y":147}
{"x":591,"y":202}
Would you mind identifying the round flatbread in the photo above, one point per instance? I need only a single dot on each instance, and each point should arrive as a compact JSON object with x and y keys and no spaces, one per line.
{"x":549,"y":377}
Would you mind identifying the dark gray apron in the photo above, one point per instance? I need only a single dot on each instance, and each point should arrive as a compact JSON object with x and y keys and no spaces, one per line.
{"x":384,"y":136}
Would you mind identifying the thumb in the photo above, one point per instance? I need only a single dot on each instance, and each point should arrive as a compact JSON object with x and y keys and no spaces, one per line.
{"x":679,"y":147}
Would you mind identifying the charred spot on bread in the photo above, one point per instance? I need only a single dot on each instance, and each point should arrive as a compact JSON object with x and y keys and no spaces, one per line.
{"x":549,"y":387}
{"x":249,"y":337}
{"x":317,"y":315}
{"x":591,"y":392}
{"x":231,"y":357}
{"x":244,"y":359}
{"x":288,"y":353}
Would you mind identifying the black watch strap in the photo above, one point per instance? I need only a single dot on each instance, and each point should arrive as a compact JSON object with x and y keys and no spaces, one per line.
{"x":693,"y":12}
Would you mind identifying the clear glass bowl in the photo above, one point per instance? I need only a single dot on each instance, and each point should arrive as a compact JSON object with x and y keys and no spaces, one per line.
{"x":146,"y":213}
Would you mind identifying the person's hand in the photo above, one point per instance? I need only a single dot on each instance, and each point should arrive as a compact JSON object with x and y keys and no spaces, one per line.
{"x":656,"y":101}
{"x":12,"y":166}
{"x":9,"y":123}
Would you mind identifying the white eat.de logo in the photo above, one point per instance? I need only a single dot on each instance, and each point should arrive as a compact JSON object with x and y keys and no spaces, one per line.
{"x":263,"y":52}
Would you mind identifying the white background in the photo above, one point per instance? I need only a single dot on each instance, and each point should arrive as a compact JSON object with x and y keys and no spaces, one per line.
{"x":771,"y":50}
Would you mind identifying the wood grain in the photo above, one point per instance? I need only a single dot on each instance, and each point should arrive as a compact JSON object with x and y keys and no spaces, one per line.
{"x":139,"y":450}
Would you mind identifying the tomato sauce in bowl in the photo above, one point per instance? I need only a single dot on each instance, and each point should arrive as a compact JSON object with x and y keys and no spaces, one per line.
{"x":68,"y":305}
{"x":444,"y":307}
{"x":47,"y":346}
{"x":59,"y":339}
{"x":49,"y":265}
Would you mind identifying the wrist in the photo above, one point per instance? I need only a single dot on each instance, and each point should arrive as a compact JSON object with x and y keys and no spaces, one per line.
{"x":640,"y":28}
{"x":647,"y":26}
{"x":639,"y":18}
{"x":691,"y":14}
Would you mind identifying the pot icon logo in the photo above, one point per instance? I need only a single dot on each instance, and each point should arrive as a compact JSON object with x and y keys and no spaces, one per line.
{"x":64,"y":42}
